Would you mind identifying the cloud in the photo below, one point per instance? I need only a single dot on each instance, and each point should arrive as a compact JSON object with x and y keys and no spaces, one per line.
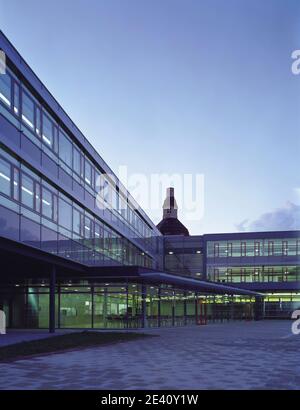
{"x":286,"y":218}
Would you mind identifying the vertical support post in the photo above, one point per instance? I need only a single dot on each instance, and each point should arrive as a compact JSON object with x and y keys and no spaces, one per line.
{"x":52,"y":284}
{"x":259,"y":308}
{"x":159,"y":308}
{"x":173,"y":309}
{"x":58,"y":303}
{"x":196,"y":308}
{"x":185,"y":308}
{"x":144,"y":306}
{"x":231,"y":308}
{"x":105,"y":321}
{"x":127,"y":306}
{"x":92,"y":301}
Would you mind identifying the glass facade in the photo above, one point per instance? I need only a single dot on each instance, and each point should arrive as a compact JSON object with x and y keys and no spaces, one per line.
{"x":258,"y":260}
{"x":118,"y":306}
{"x":238,"y":274}
{"x":280,"y":305}
{"x":184,"y":255}
{"x":58,"y":195}
{"x":47,"y":133}
{"x":253,"y":248}
{"x":50,"y":220}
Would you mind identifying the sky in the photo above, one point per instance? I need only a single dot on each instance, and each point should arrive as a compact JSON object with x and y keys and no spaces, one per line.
{"x":188,"y":87}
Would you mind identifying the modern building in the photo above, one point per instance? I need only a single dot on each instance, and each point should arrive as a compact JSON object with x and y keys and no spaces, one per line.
{"x":76,"y":249}
{"x":265,"y":262}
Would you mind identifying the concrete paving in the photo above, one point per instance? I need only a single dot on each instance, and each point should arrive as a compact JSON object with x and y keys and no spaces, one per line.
{"x":239,"y":355}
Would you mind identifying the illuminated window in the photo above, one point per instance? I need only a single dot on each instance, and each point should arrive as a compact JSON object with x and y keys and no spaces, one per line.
{"x":5,"y":176}
{"x":285,"y":248}
{"x":88,"y":172}
{"x":216,"y":250}
{"x":48,"y":131}
{"x":38,"y":121}
{"x":76,"y":222}
{"x":243,"y":248}
{"x":87,"y":228}
{"x":27,"y":110}
{"x":270,"y":248}
{"x":65,"y":149}
{"x":16,"y":98}
{"x":77,"y":162}
{"x":5,"y":89}
{"x":65,"y":214}
{"x":27,"y":191}
{"x":47,"y":203}
{"x":16,"y":184}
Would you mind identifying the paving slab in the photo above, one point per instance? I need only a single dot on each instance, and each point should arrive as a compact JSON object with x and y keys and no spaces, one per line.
{"x":237,"y":355}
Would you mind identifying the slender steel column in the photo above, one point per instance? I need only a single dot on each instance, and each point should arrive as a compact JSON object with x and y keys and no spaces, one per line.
{"x":52,"y":284}
{"x":144,"y":306}
{"x":159,"y":307}
{"x":185,"y":308}
{"x":259,"y":308}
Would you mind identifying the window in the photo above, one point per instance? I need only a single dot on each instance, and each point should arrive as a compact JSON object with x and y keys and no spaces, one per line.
{"x":27,"y":110}
{"x":243,"y":248}
{"x":76,"y":161}
{"x":256,"y":248}
{"x":5,"y":89}
{"x":48,"y":131}
{"x":229,"y":249}
{"x":88,"y":172}
{"x":16,"y":98}
{"x":285,"y":248}
{"x":38,"y":121}
{"x":104,"y":187}
{"x":76,"y":221}
{"x":270,"y":248}
{"x":298,"y":247}
{"x":216,"y":275}
{"x":98,"y":236}
{"x":65,"y":214}
{"x":65,"y":149}
{"x":114,"y":196}
{"x":27,"y":191}
{"x":38,"y":197}
{"x":87,"y":228}
{"x":16,"y":184}
{"x":98,"y":231}
{"x":47,"y":203}
{"x":216,"y":250}
{"x":5,"y":176}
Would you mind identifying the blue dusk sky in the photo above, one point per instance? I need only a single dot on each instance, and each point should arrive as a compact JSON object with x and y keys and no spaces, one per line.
{"x":180,"y":86}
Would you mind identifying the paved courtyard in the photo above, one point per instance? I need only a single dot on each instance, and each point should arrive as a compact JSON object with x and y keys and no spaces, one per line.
{"x":240,"y":355}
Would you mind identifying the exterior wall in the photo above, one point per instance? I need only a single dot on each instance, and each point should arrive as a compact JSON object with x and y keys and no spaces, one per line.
{"x":56,"y":192}
{"x":184,"y":255}
{"x":254,"y":258}
{"x":117,"y":306}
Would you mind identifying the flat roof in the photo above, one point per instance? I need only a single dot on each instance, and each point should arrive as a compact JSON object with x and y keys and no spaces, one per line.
{"x":21,"y":261}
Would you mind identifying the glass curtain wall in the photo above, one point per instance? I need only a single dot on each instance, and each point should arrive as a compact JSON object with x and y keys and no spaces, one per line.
{"x":120,"y":306}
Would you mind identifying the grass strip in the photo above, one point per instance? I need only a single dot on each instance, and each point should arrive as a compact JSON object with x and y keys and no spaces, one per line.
{"x":68,"y":341}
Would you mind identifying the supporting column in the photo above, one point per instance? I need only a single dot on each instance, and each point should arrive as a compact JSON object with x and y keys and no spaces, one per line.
{"x":52,"y":283}
{"x":231,"y":308}
{"x":259,"y":308}
{"x":185,"y":308}
{"x":144,"y":306}
{"x":196,"y":308}
{"x":173,"y":309}
{"x":159,"y":310}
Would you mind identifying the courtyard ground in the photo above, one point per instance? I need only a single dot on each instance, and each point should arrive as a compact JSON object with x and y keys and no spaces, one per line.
{"x":237,"y":355}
